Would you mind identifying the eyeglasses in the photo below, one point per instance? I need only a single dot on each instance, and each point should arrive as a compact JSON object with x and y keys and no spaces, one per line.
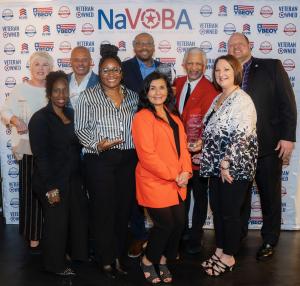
{"x":114,"y":70}
{"x":144,"y":44}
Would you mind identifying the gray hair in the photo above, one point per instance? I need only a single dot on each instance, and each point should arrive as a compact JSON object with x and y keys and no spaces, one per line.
{"x":195,"y":50}
{"x":44,"y":55}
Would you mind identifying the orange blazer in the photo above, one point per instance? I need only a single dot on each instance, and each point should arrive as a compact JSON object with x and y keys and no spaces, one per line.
{"x":158,"y":164}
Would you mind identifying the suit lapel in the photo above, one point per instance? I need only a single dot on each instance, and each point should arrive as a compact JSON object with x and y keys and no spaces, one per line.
{"x":253,"y":68}
{"x":136,"y":70}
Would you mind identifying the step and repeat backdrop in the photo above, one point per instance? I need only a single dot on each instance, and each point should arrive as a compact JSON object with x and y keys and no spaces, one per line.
{"x":59,"y":26}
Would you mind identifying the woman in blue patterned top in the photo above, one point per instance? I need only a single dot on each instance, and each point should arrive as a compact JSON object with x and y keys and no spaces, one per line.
{"x":229,"y":158}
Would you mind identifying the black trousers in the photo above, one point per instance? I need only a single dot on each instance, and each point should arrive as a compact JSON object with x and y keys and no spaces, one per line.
{"x":199,"y":187}
{"x":164,"y":236}
{"x":226,"y":201}
{"x":65,"y":227}
{"x":110,"y":179}
{"x":268,"y":180}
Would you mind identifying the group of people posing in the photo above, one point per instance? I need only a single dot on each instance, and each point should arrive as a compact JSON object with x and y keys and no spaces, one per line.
{"x":97,"y":151}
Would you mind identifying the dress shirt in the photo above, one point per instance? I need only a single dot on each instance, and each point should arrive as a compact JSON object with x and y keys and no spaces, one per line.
{"x":76,"y":89}
{"x":97,"y":118}
{"x":246,"y":69}
{"x":146,"y":70}
{"x":184,"y":90}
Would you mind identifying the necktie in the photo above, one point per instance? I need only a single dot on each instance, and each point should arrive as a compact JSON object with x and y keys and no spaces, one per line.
{"x":187,"y":95}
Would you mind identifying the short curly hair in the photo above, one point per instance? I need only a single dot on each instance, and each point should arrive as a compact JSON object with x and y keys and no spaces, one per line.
{"x":52,"y":78}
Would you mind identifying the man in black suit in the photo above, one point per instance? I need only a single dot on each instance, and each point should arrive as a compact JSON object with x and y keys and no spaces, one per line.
{"x":142,"y":64}
{"x":266,"y":81}
{"x":134,"y":71}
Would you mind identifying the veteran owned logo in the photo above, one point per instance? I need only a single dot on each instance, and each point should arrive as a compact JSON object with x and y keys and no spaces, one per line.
{"x":90,"y":45}
{"x":288,"y":11}
{"x":11,"y":31}
{"x":183,"y":46}
{"x":85,"y":12}
{"x":287,"y":47}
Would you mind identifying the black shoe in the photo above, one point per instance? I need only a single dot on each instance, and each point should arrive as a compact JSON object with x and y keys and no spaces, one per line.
{"x":109,"y":271}
{"x":193,"y":248}
{"x":265,"y":251}
{"x":68,"y":272}
{"x":120,"y":268}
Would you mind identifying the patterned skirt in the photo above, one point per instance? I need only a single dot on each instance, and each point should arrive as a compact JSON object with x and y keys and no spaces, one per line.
{"x":30,"y":212}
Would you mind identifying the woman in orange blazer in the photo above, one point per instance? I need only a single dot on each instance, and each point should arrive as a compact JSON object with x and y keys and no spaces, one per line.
{"x":162,"y":173}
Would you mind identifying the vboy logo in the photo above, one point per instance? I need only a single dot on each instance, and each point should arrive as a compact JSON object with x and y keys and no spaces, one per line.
{"x":10,"y":82}
{"x":288,"y":11}
{"x":243,"y":10}
{"x":229,"y":29}
{"x":65,"y":47}
{"x":43,"y":12}
{"x":13,"y":172}
{"x":166,"y":19}
{"x":44,"y":46}
{"x":9,"y":49}
{"x":287,"y":47}
{"x":289,"y":65}
{"x":66,"y":28}
{"x":22,"y":14}
{"x":266,"y":11}
{"x":267,"y":28}
{"x":289,"y":29}
{"x":7,"y":14}
{"x":205,"y":11}
{"x":87,"y":29}
{"x":206,"y":46}
{"x":265,"y":47}
{"x":222,"y":47}
{"x":64,"y":63}
{"x":84,"y":11}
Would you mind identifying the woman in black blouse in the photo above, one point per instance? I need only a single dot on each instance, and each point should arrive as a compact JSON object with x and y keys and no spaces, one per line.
{"x":57,"y":178}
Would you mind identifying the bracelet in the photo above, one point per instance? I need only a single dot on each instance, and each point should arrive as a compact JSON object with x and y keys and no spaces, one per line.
{"x":53,"y":193}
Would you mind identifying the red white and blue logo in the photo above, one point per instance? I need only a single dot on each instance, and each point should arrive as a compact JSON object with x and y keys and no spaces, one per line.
{"x":87,"y":29}
{"x":265,"y":47}
{"x":289,"y":65}
{"x":222,"y":47}
{"x":22,"y":14}
{"x":42,"y":12}
{"x":46,"y":30}
{"x":222,"y":11}
{"x":289,"y":29}
{"x":24,"y":48}
{"x":243,"y":10}
{"x":65,"y":47}
{"x":266,"y":11}
{"x":66,"y":29}
{"x":64,"y":12}
{"x":44,"y":46}
{"x":64,"y":63}
{"x":122,"y":46}
{"x":246,"y":29}
{"x":267,"y":28}
{"x":164,"y":46}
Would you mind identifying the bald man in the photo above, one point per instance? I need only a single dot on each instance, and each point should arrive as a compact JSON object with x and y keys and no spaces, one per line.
{"x":268,"y":84}
{"x":82,"y":76}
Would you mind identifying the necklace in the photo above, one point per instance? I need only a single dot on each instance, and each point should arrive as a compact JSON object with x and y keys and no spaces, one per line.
{"x":221,"y":100}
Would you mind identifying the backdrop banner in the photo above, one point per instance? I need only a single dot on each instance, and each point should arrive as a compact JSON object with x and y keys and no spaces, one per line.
{"x":59,"y":26}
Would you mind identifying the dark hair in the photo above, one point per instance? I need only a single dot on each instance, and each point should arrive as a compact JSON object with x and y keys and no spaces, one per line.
{"x":52,"y":78}
{"x":144,"y":102}
{"x":236,"y":66}
{"x":108,"y":51}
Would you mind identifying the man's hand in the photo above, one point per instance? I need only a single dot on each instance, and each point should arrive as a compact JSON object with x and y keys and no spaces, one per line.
{"x":285,"y":149}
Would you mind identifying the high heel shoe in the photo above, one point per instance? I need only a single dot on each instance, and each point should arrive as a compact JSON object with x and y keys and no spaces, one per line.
{"x":150,"y":274}
{"x":218,"y":268}
{"x":109,"y":271}
{"x":165,"y":274}
{"x":210,"y":261}
{"x":120,"y":268}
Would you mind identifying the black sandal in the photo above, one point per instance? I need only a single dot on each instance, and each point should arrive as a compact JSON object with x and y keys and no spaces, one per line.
{"x":149,"y":269}
{"x":218,"y":268}
{"x":208,"y":262}
{"x":165,"y":273}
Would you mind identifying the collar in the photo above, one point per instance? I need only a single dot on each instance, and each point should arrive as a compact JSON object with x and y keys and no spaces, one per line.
{"x":86,"y":77}
{"x":142,"y":65}
{"x":194,"y":82}
{"x":49,"y":108}
{"x":247,"y":64}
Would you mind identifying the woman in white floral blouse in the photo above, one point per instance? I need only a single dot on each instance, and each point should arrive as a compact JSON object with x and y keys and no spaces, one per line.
{"x":229,"y":158}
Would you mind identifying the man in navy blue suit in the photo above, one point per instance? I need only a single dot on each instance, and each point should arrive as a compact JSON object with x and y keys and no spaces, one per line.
{"x":134,"y":71}
{"x":82,"y":76}
{"x":142,"y":64}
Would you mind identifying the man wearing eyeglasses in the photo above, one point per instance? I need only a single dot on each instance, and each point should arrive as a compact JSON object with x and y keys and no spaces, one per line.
{"x":142,"y":64}
{"x":82,"y":76}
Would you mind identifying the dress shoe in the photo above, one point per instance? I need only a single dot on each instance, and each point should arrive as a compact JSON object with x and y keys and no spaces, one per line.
{"x":68,"y":272}
{"x":136,"y":248}
{"x":193,"y":248}
{"x":265,"y":251}
{"x":109,"y":271}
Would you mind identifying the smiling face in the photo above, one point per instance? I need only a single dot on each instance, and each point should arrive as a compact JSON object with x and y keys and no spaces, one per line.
{"x":110,"y":73}
{"x":143,"y":47}
{"x":39,"y":68}
{"x":60,"y":93}
{"x":224,"y":74}
{"x":81,"y":61}
{"x":194,"y":66}
{"x":158,"y":93}
{"x":239,"y":47}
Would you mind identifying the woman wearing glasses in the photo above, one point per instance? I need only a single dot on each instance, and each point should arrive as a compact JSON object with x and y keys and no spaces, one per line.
{"x":103,"y":118}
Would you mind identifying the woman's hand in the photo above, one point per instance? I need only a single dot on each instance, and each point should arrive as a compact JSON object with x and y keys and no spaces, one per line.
{"x":225,"y":175}
{"x":106,"y":144}
{"x":19,"y":124}
{"x":182,"y":179}
{"x":53,"y":197}
{"x":195,"y":147}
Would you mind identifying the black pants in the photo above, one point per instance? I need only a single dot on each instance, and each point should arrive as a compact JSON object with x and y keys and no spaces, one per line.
{"x":164,"y":237}
{"x":110,"y":178}
{"x":65,"y":227}
{"x":199,"y":187}
{"x":268,"y":180}
{"x":226,"y":201}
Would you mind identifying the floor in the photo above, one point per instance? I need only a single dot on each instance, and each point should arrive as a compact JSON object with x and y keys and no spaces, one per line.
{"x":19,"y":268}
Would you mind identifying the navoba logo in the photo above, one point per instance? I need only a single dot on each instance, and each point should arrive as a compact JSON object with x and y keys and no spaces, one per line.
{"x":165,"y":19}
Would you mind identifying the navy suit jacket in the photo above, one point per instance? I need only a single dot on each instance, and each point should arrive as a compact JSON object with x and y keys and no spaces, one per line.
{"x":132,"y":76}
{"x":271,"y":91}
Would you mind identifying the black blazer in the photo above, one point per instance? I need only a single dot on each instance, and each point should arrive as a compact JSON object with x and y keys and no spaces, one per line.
{"x":56,"y":151}
{"x":132,"y":76}
{"x":271,"y":91}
